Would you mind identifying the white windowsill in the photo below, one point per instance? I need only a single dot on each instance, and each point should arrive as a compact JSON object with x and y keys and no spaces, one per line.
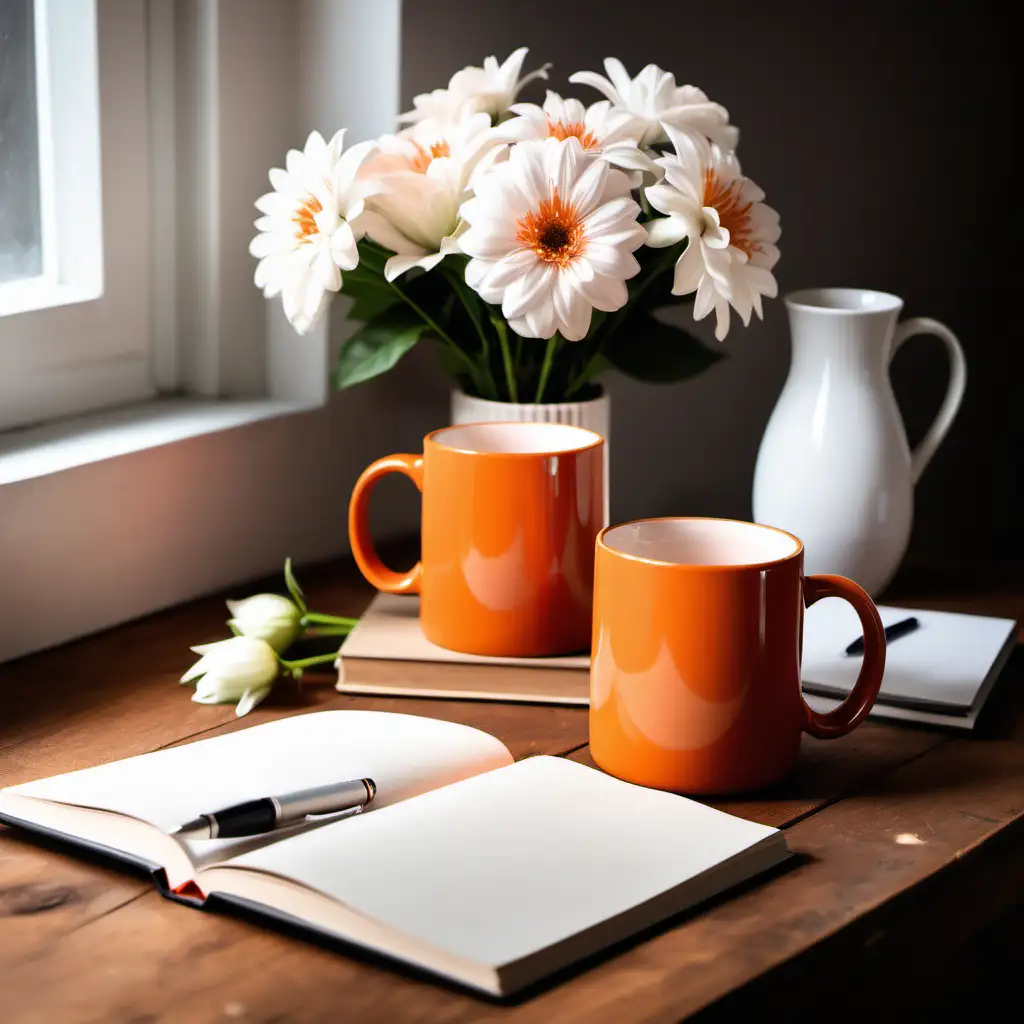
{"x":66,"y":444}
{"x":41,"y":293}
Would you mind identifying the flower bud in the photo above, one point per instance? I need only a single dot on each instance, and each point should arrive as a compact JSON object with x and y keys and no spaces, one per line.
{"x":238,"y":671}
{"x":268,"y":617}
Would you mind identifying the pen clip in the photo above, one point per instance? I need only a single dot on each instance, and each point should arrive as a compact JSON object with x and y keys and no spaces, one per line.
{"x":319,"y":819}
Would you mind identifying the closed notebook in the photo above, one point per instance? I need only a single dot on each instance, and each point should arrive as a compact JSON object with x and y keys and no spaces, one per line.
{"x":939,"y":674}
{"x":387,"y":653}
{"x":489,"y":872}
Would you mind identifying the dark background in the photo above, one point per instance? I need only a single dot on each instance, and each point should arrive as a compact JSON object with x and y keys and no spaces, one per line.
{"x":880,"y":132}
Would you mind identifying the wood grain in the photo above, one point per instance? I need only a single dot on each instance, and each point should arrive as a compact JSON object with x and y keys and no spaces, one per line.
{"x":850,"y":862}
{"x":82,"y":942}
{"x":827,"y":771}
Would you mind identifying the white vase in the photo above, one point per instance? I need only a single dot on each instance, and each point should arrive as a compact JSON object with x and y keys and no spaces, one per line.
{"x":834,"y":466}
{"x":594,"y":414}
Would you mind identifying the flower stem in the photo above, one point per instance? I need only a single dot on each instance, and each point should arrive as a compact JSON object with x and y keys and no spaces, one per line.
{"x":314,"y":618}
{"x":321,"y":631}
{"x":506,"y":357}
{"x":317,"y":659}
{"x":469,"y":302}
{"x":438,"y":330}
{"x":545,"y":370}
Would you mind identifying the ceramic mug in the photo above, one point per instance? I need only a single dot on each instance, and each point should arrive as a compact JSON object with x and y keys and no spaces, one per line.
{"x":695,"y":677}
{"x":510,"y":515}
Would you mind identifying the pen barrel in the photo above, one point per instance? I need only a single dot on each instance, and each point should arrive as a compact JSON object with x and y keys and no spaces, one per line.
{"x":322,"y":800}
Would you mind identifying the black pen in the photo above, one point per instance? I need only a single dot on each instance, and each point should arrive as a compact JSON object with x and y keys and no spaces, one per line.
{"x":893,"y":632}
{"x":271,"y":812}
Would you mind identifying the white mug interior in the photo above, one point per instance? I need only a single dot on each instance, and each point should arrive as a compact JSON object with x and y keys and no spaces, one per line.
{"x":516,"y":438}
{"x":701,"y":542}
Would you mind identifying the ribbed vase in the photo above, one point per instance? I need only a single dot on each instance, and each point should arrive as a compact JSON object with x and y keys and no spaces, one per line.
{"x":594,"y":415}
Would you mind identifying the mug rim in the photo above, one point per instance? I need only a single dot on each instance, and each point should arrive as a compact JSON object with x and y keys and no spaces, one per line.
{"x":597,"y":439}
{"x":689,"y":566}
{"x":803,"y":299}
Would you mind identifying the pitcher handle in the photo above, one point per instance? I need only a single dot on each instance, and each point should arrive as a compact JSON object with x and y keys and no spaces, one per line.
{"x":922,"y":454}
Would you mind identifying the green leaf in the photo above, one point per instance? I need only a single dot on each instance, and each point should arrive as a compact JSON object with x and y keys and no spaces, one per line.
{"x":650,"y":350}
{"x":371,"y":294}
{"x":366,"y":285}
{"x":372,"y":257}
{"x":377,"y":346}
{"x":594,"y":368}
{"x":293,"y":586}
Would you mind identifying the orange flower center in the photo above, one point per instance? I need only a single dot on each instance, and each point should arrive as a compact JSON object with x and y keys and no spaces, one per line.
{"x":577,"y":130}
{"x":422,"y":160}
{"x":554,"y":231}
{"x":304,"y":219}
{"x":733,"y":214}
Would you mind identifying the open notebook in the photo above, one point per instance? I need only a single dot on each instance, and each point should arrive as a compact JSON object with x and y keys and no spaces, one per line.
{"x":940,"y":674}
{"x":489,"y":872}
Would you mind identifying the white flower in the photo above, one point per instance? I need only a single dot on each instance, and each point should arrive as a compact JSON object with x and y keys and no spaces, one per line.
{"x":551,"y":236}
{"x":600,"y":128}
{"x":732,"y":233}
{"x":310,"y":226}
{"x":242,"y":670}
{"x":491,"y":89}
{"x":654,"y":97}
{"x":268,"y":617}
{"x":420,"y":178}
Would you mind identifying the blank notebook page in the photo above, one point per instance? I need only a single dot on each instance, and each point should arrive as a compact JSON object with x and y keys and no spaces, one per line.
{"x":946,"y":660}
{"x":507,"y":863}
{"x":403,"y":754}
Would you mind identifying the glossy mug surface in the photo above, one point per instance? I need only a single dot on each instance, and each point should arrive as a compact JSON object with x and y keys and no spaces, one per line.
{"x":695,"y":677}
{"x":510,"y":516}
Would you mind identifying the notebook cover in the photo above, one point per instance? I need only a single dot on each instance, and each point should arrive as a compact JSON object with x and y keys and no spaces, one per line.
{"x":139,"y":865}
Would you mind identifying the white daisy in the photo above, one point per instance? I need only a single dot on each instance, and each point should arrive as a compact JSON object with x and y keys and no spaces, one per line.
{"x":420,"y":178}
{"x":732,"y":232}
{"x":654,"y":97}
{"x":551,"y":235}
{"x":491,"y":89}
{"x":600,"y":128}
{"x":310,"y":226}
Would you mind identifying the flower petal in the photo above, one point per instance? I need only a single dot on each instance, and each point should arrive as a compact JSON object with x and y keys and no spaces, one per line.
{"x":598,"y":82}
{"x":586,"y":193}
{"x":665,"y":231}
{"x":573,"y":310}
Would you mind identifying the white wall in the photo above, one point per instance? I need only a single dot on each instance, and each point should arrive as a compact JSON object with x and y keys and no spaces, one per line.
{"x":119,"y":538}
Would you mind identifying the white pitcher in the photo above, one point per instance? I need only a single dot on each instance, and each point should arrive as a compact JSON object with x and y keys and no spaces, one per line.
{"x":834,"y":466}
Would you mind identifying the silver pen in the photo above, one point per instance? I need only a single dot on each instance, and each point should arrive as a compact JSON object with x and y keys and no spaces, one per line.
{"x":272,"y":812}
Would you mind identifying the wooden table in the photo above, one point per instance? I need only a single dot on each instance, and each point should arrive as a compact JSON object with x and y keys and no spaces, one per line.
{"x":907,"y":886}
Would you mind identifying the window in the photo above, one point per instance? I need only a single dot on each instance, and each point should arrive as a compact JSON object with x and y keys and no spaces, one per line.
{"x":134,"y":137}
{"x":20,"y":218}
{"x":74,"y":208}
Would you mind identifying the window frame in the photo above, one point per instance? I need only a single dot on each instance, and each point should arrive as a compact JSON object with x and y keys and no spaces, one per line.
{"x":141,"y":515}
{"x":77,"y":337}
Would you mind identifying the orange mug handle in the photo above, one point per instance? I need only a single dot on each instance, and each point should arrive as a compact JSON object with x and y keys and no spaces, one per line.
{"x":363,"y":550}
{"x":855,"y":708}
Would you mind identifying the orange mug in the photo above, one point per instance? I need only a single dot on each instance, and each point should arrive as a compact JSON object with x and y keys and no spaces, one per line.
{"x":695,"y":672}
{"x":510,"y":515}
